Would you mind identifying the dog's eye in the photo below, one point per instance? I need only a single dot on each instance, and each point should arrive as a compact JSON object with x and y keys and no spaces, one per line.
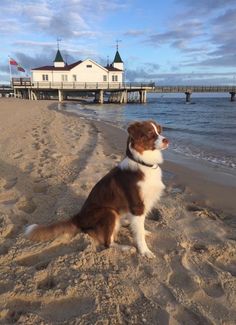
{"x":151,"y":135}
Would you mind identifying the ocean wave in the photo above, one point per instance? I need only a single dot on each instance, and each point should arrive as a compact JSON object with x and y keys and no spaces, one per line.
{"x":213,"y":158}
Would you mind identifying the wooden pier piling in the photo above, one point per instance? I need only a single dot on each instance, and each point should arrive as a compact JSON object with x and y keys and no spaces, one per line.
{"x":232,"y":96}
{"x":188,"y":94}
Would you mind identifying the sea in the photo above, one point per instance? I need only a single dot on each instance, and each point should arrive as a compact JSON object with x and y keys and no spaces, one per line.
{"x":203,"y":129}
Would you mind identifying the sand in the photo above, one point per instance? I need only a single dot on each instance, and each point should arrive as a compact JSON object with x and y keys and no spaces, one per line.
{"x":48,"y":163}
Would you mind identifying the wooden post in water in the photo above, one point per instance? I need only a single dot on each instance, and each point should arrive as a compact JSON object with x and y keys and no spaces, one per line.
{"x":232,"y":94}
{"x":125,"y":94}
{"x":99,"y":98}
{"x":145,"y":96}
{"x":188,"y":94}
{"x":34,"y":95}
{"x":60,"y":95}
{"x":142,"y":96}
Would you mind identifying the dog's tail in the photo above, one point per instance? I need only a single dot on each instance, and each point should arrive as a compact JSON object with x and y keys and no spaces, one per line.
{"x":43,"y":233}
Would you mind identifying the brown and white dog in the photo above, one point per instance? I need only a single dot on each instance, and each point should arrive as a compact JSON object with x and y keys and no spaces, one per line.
{"x":129,"y":190}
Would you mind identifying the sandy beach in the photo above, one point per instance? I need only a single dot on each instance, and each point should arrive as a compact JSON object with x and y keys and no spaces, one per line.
{"x":49,"y":162}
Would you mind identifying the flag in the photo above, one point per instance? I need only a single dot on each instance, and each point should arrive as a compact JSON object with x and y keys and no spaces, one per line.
{"x":12,"y":61}
{"x":19,"y":68}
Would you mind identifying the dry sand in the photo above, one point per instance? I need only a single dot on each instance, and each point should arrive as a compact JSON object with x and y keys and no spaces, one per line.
{"x":48,"y":163}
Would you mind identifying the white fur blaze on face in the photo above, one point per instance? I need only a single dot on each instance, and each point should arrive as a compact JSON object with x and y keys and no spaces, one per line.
{"x":30,"y":229}
{"x":159,"y":144}
{"x":155,"y":128}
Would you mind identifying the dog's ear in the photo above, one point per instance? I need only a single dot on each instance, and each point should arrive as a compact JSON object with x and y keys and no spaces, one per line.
{"x":134,"y":129}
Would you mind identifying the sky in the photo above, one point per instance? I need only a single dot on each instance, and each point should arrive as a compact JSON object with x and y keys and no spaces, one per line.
{"x":171,"y":42}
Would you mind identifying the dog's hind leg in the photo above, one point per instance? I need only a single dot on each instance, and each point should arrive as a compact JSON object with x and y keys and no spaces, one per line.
{"x":107,"y":228}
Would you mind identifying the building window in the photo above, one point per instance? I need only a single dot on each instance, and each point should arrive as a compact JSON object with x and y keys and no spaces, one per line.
{"x":114,"y":78}
{"x":89,"y":65}
{"x":74,"y":77}
{"x":104,"y":78}
{"x":45,"y":77}
{"x":64,"y":77}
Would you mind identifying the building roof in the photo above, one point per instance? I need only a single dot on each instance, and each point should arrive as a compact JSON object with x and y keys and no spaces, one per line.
{"x":117,"y":58}
{"x":67,"y":67}
{"x":111,"y":68}
{"x":58,"y":57}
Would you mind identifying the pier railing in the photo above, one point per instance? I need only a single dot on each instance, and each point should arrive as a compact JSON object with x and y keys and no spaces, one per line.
{"x":27,"y":83}
{"x":193,"y":89}
{"x":150,"y":86}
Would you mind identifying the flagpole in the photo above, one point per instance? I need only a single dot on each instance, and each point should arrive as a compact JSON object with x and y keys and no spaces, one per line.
{"x":10,"y":70}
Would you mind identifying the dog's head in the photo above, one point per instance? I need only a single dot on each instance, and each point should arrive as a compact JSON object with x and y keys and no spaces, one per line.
{"x":145,"y":141}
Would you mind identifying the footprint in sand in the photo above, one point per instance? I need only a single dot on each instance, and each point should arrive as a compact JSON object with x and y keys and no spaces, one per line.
{"x":40,"y":188}
{"x":18,"y":308}
{"x":36,"y":136}
{"x":4,"y":248}
{"x":26,"y":205}
{"x":64,"y":309}
{"x":186,"y":316}
{"x":9,"y":197}
{"x":7,"y":228}
{"x":47,"y":283}
{"x":181,"y":279}
{"x":40,"y":259}
{"x":10,"y":182}
{"x":227,"y":262}
{"x":17,"y":155}
{"x":5,"y":287}
{"x":36,"y":145}
{"x":209,"y":281}
{"x":27,"y":167}
{"x":206,"y":274}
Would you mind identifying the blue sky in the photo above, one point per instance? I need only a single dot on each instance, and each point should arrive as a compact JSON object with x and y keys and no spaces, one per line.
{"x":169,"y":42}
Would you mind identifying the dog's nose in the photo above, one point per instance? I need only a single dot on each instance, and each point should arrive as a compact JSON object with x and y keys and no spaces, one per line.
{"x":165,"y":141}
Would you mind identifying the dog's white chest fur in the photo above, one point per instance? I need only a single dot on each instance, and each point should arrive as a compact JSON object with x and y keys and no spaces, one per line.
{"x":151,"y":187}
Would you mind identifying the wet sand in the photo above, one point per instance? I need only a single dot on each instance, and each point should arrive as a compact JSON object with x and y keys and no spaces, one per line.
{"x":49,"y":162}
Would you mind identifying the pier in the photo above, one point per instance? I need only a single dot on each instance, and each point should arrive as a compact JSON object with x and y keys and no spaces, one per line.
{"x":119,"y":93}
{"x":6,"y":91}
{"x":114,"y":92}
{"x":189,"y":90}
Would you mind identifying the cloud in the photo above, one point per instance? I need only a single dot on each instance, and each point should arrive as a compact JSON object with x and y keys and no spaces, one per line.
{"x":150,"y":67}
{"x":207,"y":40}
{"x":203,"y":8}
{"x":221,"y":61}
{"x":67,"y":19}
{"x":209,"y":4}
{"x":9,"y":26}
{"x":222,"y":51}
{"x":140,"y":75}
{"x":135,"y":33}
{"x":30,"y":43}
{"x":179,"y":35}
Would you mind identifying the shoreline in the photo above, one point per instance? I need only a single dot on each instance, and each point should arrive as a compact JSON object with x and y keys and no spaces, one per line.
{"x":49,"y":162}
{"x":207,"y":186}
{"x":202,"y":187}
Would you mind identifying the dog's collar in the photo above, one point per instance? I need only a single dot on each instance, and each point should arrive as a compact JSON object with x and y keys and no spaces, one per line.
{"x":130,"y":156}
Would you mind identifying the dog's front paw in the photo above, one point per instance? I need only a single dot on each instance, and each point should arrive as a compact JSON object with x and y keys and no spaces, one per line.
{"x":147,"y":253}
